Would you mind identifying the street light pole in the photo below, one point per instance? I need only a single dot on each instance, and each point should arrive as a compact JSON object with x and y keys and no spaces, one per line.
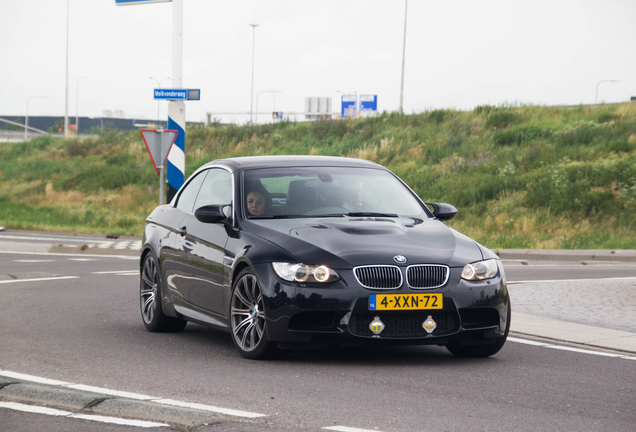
{"x":101,"y":123}
{"x":77,"y":79}
{"x":599,"y":83}
{"x":159,"y":101}
{"x":406,"y":5}
{"x":252,"y":93}
{"x":66,"y":132}
{"x":26,"y":114}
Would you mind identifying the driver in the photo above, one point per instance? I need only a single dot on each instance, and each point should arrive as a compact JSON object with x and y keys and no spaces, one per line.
{"x":352,"y":194}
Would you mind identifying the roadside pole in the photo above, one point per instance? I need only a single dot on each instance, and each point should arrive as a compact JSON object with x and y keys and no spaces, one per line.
{"x":175,"y":172}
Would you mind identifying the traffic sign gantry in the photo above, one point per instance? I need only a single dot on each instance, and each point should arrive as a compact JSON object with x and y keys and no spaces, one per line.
{"x":159,"y":143}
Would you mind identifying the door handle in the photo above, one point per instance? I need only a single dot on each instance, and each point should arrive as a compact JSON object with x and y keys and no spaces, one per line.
{"x":183,"y":231}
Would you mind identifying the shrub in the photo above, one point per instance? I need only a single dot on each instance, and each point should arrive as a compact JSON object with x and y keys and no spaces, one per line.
{"x":520,"y":135}
{"x":606,"y":117}
{"x":501,"y":119}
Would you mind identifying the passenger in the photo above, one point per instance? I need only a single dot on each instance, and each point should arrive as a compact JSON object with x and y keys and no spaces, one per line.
{"x":258,"y":200}
{"x":255,"y":203}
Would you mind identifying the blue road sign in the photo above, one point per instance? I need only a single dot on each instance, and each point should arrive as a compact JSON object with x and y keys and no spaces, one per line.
{"x":171,"y":94}
{"x":349,"y":106}
{"x":177,"y":94}
{"x":132,"y":2}
{"x":368,"y":103}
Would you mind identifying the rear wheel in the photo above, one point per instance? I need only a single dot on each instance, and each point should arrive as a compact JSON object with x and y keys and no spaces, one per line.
{"x":248,"y":319}
{"x":150,"y":299}
{"x":482,"y":350}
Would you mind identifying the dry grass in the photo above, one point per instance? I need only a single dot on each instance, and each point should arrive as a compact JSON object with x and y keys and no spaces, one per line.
{"x":51,"y":197}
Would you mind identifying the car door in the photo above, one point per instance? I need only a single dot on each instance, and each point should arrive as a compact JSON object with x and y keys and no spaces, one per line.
{"x":174,"y":264}
{"x":204,"y":245}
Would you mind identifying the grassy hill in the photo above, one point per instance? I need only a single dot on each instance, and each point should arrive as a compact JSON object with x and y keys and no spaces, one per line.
{"x":521,"y":176}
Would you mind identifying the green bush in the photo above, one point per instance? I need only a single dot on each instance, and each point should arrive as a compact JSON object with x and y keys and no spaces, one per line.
{"x":500,"y":119}
{"x":520,"y":135}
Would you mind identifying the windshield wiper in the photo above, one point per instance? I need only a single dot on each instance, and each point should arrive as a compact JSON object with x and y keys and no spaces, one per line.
{"x":371,"y":214}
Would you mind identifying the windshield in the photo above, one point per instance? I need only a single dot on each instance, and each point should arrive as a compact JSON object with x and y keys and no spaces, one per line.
{"x":326,"y":191}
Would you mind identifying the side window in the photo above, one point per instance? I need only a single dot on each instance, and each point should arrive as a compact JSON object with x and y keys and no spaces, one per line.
{"x":189,"y":194}
{"x":216,"y":189}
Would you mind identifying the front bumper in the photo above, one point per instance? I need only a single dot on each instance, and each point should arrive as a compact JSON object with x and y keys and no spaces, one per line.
{"x":339,"y":312}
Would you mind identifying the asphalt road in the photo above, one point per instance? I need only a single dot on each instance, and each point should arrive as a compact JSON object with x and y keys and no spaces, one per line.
{"x":88,"y":330}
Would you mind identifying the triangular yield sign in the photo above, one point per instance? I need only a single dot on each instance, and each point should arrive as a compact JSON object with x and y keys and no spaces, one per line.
{"x":158,"y":143}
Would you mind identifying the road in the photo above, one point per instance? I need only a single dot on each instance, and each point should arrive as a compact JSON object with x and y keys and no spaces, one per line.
{"x":86,"y":329}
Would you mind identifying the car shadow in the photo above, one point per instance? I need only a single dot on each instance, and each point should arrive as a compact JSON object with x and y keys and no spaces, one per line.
{"x":208,"y":339}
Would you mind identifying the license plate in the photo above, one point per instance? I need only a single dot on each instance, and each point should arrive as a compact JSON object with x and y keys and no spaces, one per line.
{"x":405,"y":301}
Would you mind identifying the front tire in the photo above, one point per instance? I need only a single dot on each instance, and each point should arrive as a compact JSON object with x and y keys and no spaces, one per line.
{"x":482,"y":350}
{"x":150,"y":299}
{"x":247,"y":316}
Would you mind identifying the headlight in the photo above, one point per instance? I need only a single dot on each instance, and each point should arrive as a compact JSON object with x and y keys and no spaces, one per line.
{"x":480,"y":270}
{"x":305,"y":273}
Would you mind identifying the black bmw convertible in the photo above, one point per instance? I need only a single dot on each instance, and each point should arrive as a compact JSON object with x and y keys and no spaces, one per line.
{"x":287,"y":252}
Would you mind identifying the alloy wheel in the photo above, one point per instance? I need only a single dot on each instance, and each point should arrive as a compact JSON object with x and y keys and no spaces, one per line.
{"x":248,"y":315}
{"x":148,"y":292}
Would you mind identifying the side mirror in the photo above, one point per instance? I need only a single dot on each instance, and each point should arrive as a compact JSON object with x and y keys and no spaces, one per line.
{"x":443,"y":211}
{"x":212,"y":214}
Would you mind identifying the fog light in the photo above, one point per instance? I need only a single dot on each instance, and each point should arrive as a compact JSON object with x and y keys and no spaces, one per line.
{"x":376,"y":326}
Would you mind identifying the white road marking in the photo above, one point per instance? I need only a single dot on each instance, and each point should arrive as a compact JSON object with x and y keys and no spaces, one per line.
{"x":584,"y":351}
{"x":348,"y":429}
{"x":208,"y":408}
{"x":82,"y":259}
{"x":34,"y":409}
{"x":124,"y":257}
{"x":32,"y":378}
{"x":526,"y":341}
{"x":117,"y":272}
{"x":570,"y":280}
{"x":567,"y":348}
{"x":110,"y":392}
{"x":38,"y":279}
{"x":53,"y":412}
{"x":33,"y":261}
{"x":58,"y":239}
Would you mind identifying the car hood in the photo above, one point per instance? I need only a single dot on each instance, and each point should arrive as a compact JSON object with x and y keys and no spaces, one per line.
{"x":349,"y":242}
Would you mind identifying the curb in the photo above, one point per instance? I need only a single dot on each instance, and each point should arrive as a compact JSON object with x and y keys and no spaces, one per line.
{"x":622,"y":255}
{"x":91,"y":403}
{"x":564,"y":331}
{"x":77,"y":250}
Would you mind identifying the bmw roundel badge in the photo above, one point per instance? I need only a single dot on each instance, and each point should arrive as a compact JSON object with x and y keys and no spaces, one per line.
{"x":400,"y":259}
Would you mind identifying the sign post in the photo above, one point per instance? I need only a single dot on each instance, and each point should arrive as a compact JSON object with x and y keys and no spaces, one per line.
{"x":159,"y":143}
{"x":176,"y":108}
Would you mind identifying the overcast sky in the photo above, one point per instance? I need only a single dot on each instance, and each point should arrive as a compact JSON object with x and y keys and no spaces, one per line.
{"x":459,"y":54}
